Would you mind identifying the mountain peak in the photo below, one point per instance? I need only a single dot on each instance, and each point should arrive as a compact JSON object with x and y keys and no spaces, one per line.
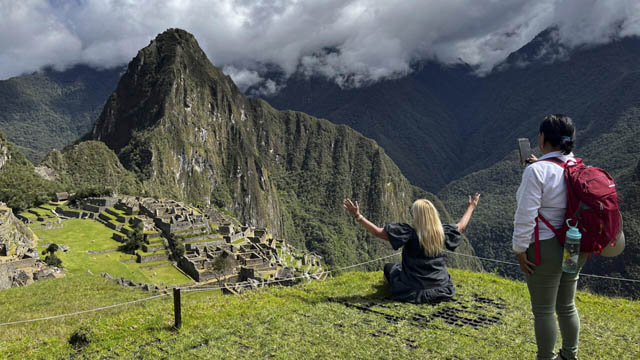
{"x":162,"y":79}
{"x":174,"y":43}
{"x":545,"y":48}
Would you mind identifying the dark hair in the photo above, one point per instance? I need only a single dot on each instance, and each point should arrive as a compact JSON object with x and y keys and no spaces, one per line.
{"x":559,"y":131}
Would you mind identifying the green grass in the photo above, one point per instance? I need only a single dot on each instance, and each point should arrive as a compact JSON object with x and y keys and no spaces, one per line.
{"x":42,"y":212}
{"x":49,"y":206}
{"x":204,"y":240}
{"x":27,"y":215}
{"x":89,"y":235}
{"x":111,"y":217}
{"x":116,"y":210}
{"x":299,"y":322}
{"x":239,"y":241}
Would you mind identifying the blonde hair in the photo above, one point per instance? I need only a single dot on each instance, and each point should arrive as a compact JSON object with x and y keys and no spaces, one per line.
{"x":426,"y":222}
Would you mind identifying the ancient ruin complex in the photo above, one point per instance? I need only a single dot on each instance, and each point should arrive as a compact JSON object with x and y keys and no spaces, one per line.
{"x":204,"y":243}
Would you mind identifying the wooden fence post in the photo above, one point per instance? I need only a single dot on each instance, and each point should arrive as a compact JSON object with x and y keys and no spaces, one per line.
{"x":177,"y":311}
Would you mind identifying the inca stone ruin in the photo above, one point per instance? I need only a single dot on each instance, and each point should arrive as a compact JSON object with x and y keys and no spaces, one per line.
{"x":214,"y":247}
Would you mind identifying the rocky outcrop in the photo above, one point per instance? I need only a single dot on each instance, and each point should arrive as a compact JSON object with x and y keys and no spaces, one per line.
{"x":4,"y":151}
{"x":22,"y":273}
{"x":16,"y":239}
{"x":47,"y":173}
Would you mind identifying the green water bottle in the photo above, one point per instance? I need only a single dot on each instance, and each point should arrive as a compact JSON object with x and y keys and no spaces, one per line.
{"x":571,"y":249}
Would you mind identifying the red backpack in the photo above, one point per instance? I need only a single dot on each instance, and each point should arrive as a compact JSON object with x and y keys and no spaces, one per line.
{"x":592,"y":202}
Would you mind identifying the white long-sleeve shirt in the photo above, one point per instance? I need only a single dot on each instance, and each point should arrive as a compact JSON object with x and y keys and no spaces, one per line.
{"x":542,"y":190}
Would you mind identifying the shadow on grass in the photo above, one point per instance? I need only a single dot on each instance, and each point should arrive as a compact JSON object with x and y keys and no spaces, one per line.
{"x":382,"y":295}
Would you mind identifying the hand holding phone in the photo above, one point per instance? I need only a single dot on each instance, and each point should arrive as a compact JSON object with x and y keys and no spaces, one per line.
{"x":525,"y":151}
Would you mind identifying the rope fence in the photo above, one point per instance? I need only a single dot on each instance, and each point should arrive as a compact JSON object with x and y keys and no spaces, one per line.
{"x":306,"y":276}
{"x":516,"y":264}
{"x":83,"y":311}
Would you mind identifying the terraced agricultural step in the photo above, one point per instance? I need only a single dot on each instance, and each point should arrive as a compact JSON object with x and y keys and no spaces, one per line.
{"x":106,"y":217}
{"x":112,"y":225}
{"x":111,"y":212}
{"x":205,"y":238}
{"x":152,"y":257}
{"x":189,"y":233}
{"x":120,"y":237}
{"x":152,"y":248}
{"x":191,"y":245}
{"x":155,"y":241}
{"x":152,"y":235}
{"x":202,"y":237}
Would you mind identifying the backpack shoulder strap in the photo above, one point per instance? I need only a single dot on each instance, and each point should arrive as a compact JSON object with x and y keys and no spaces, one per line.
{"x":556,"y":160}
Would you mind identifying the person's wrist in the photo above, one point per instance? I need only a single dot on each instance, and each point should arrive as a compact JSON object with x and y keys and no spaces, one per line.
{"x":359,"y":217}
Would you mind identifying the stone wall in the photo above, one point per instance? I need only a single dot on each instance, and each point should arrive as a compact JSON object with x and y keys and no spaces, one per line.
{"x":152,"y":258}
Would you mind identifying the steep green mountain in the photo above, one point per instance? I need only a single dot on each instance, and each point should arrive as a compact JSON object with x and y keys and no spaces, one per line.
{"x":441,"y":123}
{"x":20,"y":186}
{"x":49,"y":109}
{"x":186,"y":132}
{"x":598,"y":86}
{"x":414,"y":118}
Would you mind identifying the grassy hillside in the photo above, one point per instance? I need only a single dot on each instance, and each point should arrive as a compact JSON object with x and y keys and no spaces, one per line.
{"x":343,"y":317}
{"x":83,"y":236}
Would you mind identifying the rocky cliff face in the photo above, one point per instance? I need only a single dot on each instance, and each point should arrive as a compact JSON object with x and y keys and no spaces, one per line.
{"x":4,"y":151}
{"x":16,"y":239}
{"x":187,"y":132}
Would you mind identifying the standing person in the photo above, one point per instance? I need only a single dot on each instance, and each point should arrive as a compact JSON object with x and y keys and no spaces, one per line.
{"x":422,"y":277}
{"x":543,"y":191}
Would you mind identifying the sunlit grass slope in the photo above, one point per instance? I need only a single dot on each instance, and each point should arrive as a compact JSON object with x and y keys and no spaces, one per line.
{"x":89,"y":235}
{"x":346,"y":317}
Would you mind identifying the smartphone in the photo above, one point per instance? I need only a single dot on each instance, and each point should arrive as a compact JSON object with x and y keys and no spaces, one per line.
{"x":525,"y":149}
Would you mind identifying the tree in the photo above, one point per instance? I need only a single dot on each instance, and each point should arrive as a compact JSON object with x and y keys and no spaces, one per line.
{"x":134,"y":240}
{"x":52,"y":259}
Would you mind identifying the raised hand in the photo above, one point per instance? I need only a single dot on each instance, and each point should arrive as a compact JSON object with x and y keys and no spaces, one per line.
{"x":473,"y":201}
{"x":352,"y":209}
{"x":531,"y":159}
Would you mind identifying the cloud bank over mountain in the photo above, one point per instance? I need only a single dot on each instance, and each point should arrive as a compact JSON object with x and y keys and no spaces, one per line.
{"x":353,"y":42}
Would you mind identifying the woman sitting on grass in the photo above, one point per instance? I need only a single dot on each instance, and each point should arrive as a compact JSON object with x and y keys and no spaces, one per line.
{"x":422,"y":277}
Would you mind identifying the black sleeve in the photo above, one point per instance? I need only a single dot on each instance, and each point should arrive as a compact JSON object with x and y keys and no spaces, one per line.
{"x":399,"y":234}
{"x":452,"y":236}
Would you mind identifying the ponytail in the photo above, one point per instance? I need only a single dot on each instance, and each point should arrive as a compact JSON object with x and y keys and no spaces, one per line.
{"x":566,"y":145}
{"x":559,"y":131}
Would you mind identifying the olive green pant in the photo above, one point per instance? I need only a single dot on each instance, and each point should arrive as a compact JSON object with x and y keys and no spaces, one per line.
{"x":553,"y":291}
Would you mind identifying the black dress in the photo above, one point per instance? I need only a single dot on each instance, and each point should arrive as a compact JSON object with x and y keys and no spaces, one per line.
{"x":420,"y":279}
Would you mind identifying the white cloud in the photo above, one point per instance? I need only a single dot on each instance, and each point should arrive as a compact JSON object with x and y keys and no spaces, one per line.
{"x":353,"y":42}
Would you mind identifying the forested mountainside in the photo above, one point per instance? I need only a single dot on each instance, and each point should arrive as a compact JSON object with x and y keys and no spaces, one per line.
{"x":50,"y":109}
{"x":441,"y":123}
{"x":20,"y":185}
{"x":597,"y":86}
{"x":185,"y":131}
